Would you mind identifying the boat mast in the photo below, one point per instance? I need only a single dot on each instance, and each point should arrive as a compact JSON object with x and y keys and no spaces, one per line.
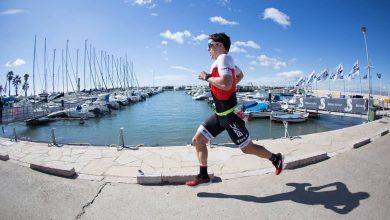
{"x":101,"y":69}
{"x":77,"y":71}
{"x":96,"y":79}
{"x":133,"y":74}
{"x":66,"y":66}
{"x":54,"y":59}
{"x":44,"y":67}
{"x":126,"y":72}
{"x":118,"y":76}
{"x":107,"y":59}
{"x":85,"y":56}
{"x":35,"y":44}
{"x":112,"y":69}
{"x":90,"y":67}
{"x":120,"y":72}
{"x":63,"y":74}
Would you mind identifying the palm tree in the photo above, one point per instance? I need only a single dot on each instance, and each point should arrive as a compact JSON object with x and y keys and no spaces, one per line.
{"x":10,"y":76}
{"x":16,"y":81}
{"x":25,"y":87}
{"x":25,"y":84}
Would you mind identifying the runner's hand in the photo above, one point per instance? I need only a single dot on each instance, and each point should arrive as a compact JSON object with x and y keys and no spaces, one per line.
{"x":202,"y":75}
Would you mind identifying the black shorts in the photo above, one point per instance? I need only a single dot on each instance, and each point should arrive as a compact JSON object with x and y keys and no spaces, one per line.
{"x":234,"y":125}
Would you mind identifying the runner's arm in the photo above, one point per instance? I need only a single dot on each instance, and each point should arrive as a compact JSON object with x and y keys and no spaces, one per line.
{"x":239,"y":75}
{"x":223,"y":82}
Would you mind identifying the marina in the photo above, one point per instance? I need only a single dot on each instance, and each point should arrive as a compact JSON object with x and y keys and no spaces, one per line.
{"x":166,"y":119}
{"x":105,"y":108}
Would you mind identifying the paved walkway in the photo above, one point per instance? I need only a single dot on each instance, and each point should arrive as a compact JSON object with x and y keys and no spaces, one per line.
{"x":177,"y":163}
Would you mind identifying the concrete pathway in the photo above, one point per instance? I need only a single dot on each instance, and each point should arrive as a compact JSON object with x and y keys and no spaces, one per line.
{"x":352,"y":185}
{"x":175,"y":164}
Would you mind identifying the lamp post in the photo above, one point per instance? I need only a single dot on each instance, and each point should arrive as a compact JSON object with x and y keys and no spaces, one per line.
{"x":364,"y":30}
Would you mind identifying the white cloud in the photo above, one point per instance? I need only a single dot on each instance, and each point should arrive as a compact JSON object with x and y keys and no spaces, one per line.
{"x":17,"y":62}
{"x":178,"y":36}
{"x":277,"y":16}
{"x":270,"y":62}
{"x":152,"y":6}
{"x":236,"y":46}
{"x":12,"y":11}
{"x":142,"y":2}
{"x":237,"y":49}
{"x":291,"y":74}
{"x":223,"y":21}
{"x":154,"y":14}
{"x":164,"y":42}
{"x":250,"y":43}
{"x":183,"y":69}
{"x":200,"y":37}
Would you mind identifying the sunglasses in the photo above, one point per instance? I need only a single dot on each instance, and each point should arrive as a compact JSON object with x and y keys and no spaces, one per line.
{"x":210,"y":45}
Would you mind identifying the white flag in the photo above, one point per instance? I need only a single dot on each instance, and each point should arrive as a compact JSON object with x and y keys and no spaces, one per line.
{"x":324,"y":75}
{"x":355,"y":71}
{"x":339,"y":72}
{"x":301,"y":81}
{"x":332,"y":75}
{"x":311,"y":77}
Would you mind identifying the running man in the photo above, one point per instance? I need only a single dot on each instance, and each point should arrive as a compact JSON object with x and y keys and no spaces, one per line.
{"x":223,"y":79}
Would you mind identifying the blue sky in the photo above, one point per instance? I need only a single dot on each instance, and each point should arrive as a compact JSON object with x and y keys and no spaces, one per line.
{"x":274,"y":41}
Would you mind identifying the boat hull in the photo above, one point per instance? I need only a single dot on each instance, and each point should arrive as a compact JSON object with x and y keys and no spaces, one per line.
{"x":294,"y":117}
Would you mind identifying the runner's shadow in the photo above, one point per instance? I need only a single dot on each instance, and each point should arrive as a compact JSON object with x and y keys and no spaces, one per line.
{"x":340,"y":200}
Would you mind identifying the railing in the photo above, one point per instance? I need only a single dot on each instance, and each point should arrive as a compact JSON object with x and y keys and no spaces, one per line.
{"x":13,"y":114}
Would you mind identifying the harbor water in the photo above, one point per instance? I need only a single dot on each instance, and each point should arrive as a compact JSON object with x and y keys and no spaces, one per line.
{"x":168,"y":119}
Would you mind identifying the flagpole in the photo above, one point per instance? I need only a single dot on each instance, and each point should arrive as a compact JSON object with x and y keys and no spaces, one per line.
{"x":364,"y":30}
{"x":344,"y":84}
{"x":380,"y":88}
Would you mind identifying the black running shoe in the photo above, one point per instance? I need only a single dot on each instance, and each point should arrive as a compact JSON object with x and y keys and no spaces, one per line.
{"x":279,"y":163}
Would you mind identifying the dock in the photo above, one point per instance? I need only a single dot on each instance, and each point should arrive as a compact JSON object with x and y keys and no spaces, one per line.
{"x":177,"y":163}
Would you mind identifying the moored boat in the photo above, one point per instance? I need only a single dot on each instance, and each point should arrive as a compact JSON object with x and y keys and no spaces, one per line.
{"x":38,"y":120}
{"x":290,"y":117}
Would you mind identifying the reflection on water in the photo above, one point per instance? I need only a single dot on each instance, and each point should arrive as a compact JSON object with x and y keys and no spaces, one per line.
{"x":167,"y":119}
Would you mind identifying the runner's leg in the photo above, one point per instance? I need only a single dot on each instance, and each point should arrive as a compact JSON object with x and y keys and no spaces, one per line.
{"x":200,"y":141}
{"x":257,"y":150}
{"x":206,"y":131}
{"x":240,"y":136}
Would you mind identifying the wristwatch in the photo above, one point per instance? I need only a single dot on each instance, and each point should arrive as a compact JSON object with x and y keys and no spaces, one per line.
{"x":208,"y":75}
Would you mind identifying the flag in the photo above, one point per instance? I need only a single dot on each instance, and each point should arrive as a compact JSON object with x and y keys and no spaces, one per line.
{"x":339,"y":72}
{"x":354,"y":72}
{"x":379,"y":75}
{"x":332,"y":75}
{"x":324,"y":75}
{"x":311,"y":77}
{"x":301,"y":81}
